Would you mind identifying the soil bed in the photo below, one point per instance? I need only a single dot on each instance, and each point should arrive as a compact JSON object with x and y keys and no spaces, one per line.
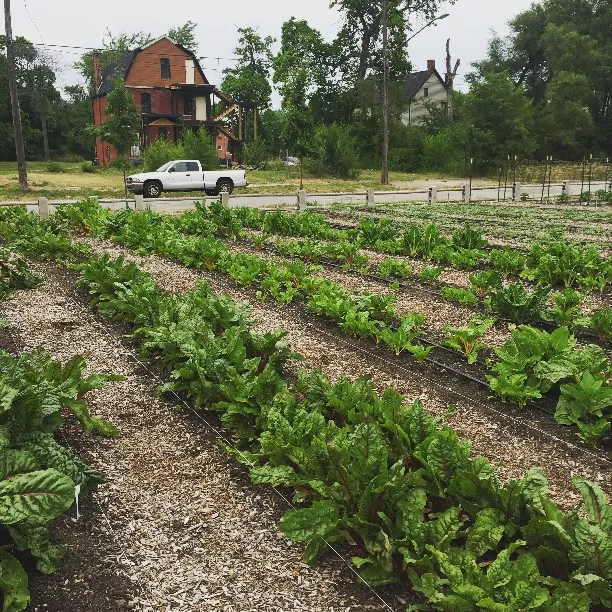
{"x":517,"y":440}
{"x":188,"y":531}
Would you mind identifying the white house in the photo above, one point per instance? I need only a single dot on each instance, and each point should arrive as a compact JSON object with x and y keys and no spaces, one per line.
{"x":420,"y":88}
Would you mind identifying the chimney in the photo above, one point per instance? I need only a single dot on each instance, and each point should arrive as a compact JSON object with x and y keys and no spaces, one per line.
{"x":431,"y":65}
{"x":97,"y":67}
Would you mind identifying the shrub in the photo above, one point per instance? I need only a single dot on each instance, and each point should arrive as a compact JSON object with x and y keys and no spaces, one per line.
{"x":198,"y":145}
{"x":408,"y":157}
{"x":464,"y":297}
{"x":160,"y":152}
{"x":88,"y":168}
{"x":335,"y":152}
{"x":256,"y":154}
{"x":55,"y":167}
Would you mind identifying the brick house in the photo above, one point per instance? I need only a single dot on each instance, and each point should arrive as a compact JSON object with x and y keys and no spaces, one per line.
{"x":172,"y":92}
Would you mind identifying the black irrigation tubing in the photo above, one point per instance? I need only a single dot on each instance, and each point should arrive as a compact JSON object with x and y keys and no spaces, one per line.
{"x":470,"y":400}
{"x":437,"y":293}
{"x":221,"y":437}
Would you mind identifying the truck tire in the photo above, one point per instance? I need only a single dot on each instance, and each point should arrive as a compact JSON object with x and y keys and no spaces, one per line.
{"x":224,"y":186}
{"x":152,"y":189}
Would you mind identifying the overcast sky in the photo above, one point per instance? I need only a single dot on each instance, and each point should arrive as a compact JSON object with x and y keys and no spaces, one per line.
{"x":83,"y":23}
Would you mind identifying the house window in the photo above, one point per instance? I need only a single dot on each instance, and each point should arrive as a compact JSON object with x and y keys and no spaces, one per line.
{"x":145,"y":103}
{"x":188,"y":105}
{"x":165,"y":67}
{"x":444,"y":106}
{"x":426,"y":92}
{"x":162,"y":133}
{"x":219,"y":148}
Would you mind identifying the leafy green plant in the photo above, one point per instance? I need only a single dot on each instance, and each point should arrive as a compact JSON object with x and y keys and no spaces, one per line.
{"x":507,"y":261}
{"x":514,"y":303}
{"x":465,"y":339}
{"x":588,"y":405}
{"x":464,"y":297}
{"x":485,"y":281}
{"x":430,"y":274}
{"x":14,"y":273}
{"x":601,"y":322}
{"x":566,"y":307}
{"x":467,"y":237}
{"x":393,"y":267}
{"x":401,"y":340}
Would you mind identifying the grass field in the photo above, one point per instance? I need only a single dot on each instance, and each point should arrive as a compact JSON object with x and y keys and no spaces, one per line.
{"x":74,"y":183}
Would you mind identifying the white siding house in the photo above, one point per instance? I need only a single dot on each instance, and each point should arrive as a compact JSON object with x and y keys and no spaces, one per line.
{"x":420,"y":88}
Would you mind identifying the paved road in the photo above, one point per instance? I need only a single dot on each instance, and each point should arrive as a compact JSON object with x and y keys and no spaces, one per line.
{"x":444,"y":195}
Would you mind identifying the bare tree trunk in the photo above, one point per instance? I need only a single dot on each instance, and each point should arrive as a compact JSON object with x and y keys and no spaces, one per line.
{"x":450,"y":79}
{"x":12,"y":80}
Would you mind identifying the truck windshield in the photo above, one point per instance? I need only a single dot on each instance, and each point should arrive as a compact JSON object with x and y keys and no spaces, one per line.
{"x":165,"y":166}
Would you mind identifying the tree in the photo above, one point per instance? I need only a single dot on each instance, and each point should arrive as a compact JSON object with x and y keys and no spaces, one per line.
{"x":250,"y":78}
{"x":185,"y":36}
{"x":554,"y":37}
{"x":359,"y":42}
{"x":499,"y":120}
{"x":113,"y":48}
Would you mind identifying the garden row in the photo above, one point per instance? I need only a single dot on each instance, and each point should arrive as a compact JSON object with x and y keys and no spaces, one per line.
{"x":387,"y":477}
{"x":40,"y":478}
{"x":533,"y":363}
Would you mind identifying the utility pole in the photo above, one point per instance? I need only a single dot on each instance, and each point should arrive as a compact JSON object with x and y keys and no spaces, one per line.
{"x":12,"y":82}
{"x":384,"y":176}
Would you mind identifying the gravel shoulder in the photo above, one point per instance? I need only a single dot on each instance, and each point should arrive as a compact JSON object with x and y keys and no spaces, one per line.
{"x":515,"y":440}
{"x":186,"y":528}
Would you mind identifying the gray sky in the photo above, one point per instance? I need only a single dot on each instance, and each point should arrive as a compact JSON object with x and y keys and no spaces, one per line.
{"x":83,"y":23}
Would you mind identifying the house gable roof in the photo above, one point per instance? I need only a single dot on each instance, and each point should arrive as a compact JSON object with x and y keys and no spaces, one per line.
{"x":121,"y":67}
{"x":414,"y":81}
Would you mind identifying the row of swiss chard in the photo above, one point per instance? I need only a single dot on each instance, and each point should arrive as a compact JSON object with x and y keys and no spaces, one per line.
{"x":531,"y":364}
{"x":39,"y":477}
{"x":511,"y":302}
{"x":554,"y":263}
{"x":399,"y":486}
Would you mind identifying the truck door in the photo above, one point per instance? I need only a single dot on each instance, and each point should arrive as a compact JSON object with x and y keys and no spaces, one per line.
{"x":197,"y":177}
{"x":178,"y":177}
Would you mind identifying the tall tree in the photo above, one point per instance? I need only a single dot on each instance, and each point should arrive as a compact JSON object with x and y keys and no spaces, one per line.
{"x":249,"y":79}
{"x":185,"y":36}
{"x":548,"y":44}
{"x":359,"y":42}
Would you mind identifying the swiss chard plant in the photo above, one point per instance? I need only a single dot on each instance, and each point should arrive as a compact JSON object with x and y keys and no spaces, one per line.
{"x":465,"y":339}
{"x":517,"y":304}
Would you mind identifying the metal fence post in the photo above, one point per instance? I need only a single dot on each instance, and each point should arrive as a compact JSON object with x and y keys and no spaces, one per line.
{"x":301,"y":195}
{"x":433,"y":195}
{"x":43,"y":208}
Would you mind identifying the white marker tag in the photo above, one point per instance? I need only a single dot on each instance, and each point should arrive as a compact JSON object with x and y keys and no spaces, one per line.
{"x":77,"y":490}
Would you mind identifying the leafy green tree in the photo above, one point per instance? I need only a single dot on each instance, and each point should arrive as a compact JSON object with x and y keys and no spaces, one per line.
{"x":123,"y":122}
{"x":199,"y":145}
{"x":250,"y":78}
{"x":114,"y":46}
{"x":499,"y":119}
{"x":185,"y":36}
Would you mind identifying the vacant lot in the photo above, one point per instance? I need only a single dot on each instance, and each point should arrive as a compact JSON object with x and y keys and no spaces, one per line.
{"x":72,"y":182}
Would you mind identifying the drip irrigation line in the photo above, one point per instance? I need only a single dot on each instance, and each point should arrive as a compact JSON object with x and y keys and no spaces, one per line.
{"x":222,"y":438}
{"x":469,"y":400}
{"x":418,"y":288}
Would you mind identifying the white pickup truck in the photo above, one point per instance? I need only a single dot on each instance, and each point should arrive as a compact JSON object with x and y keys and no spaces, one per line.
{"x":185,"y":175}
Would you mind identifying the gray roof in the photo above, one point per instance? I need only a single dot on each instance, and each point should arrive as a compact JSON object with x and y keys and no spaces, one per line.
{"x":118,"y":68}
{"x":414,"y":81}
